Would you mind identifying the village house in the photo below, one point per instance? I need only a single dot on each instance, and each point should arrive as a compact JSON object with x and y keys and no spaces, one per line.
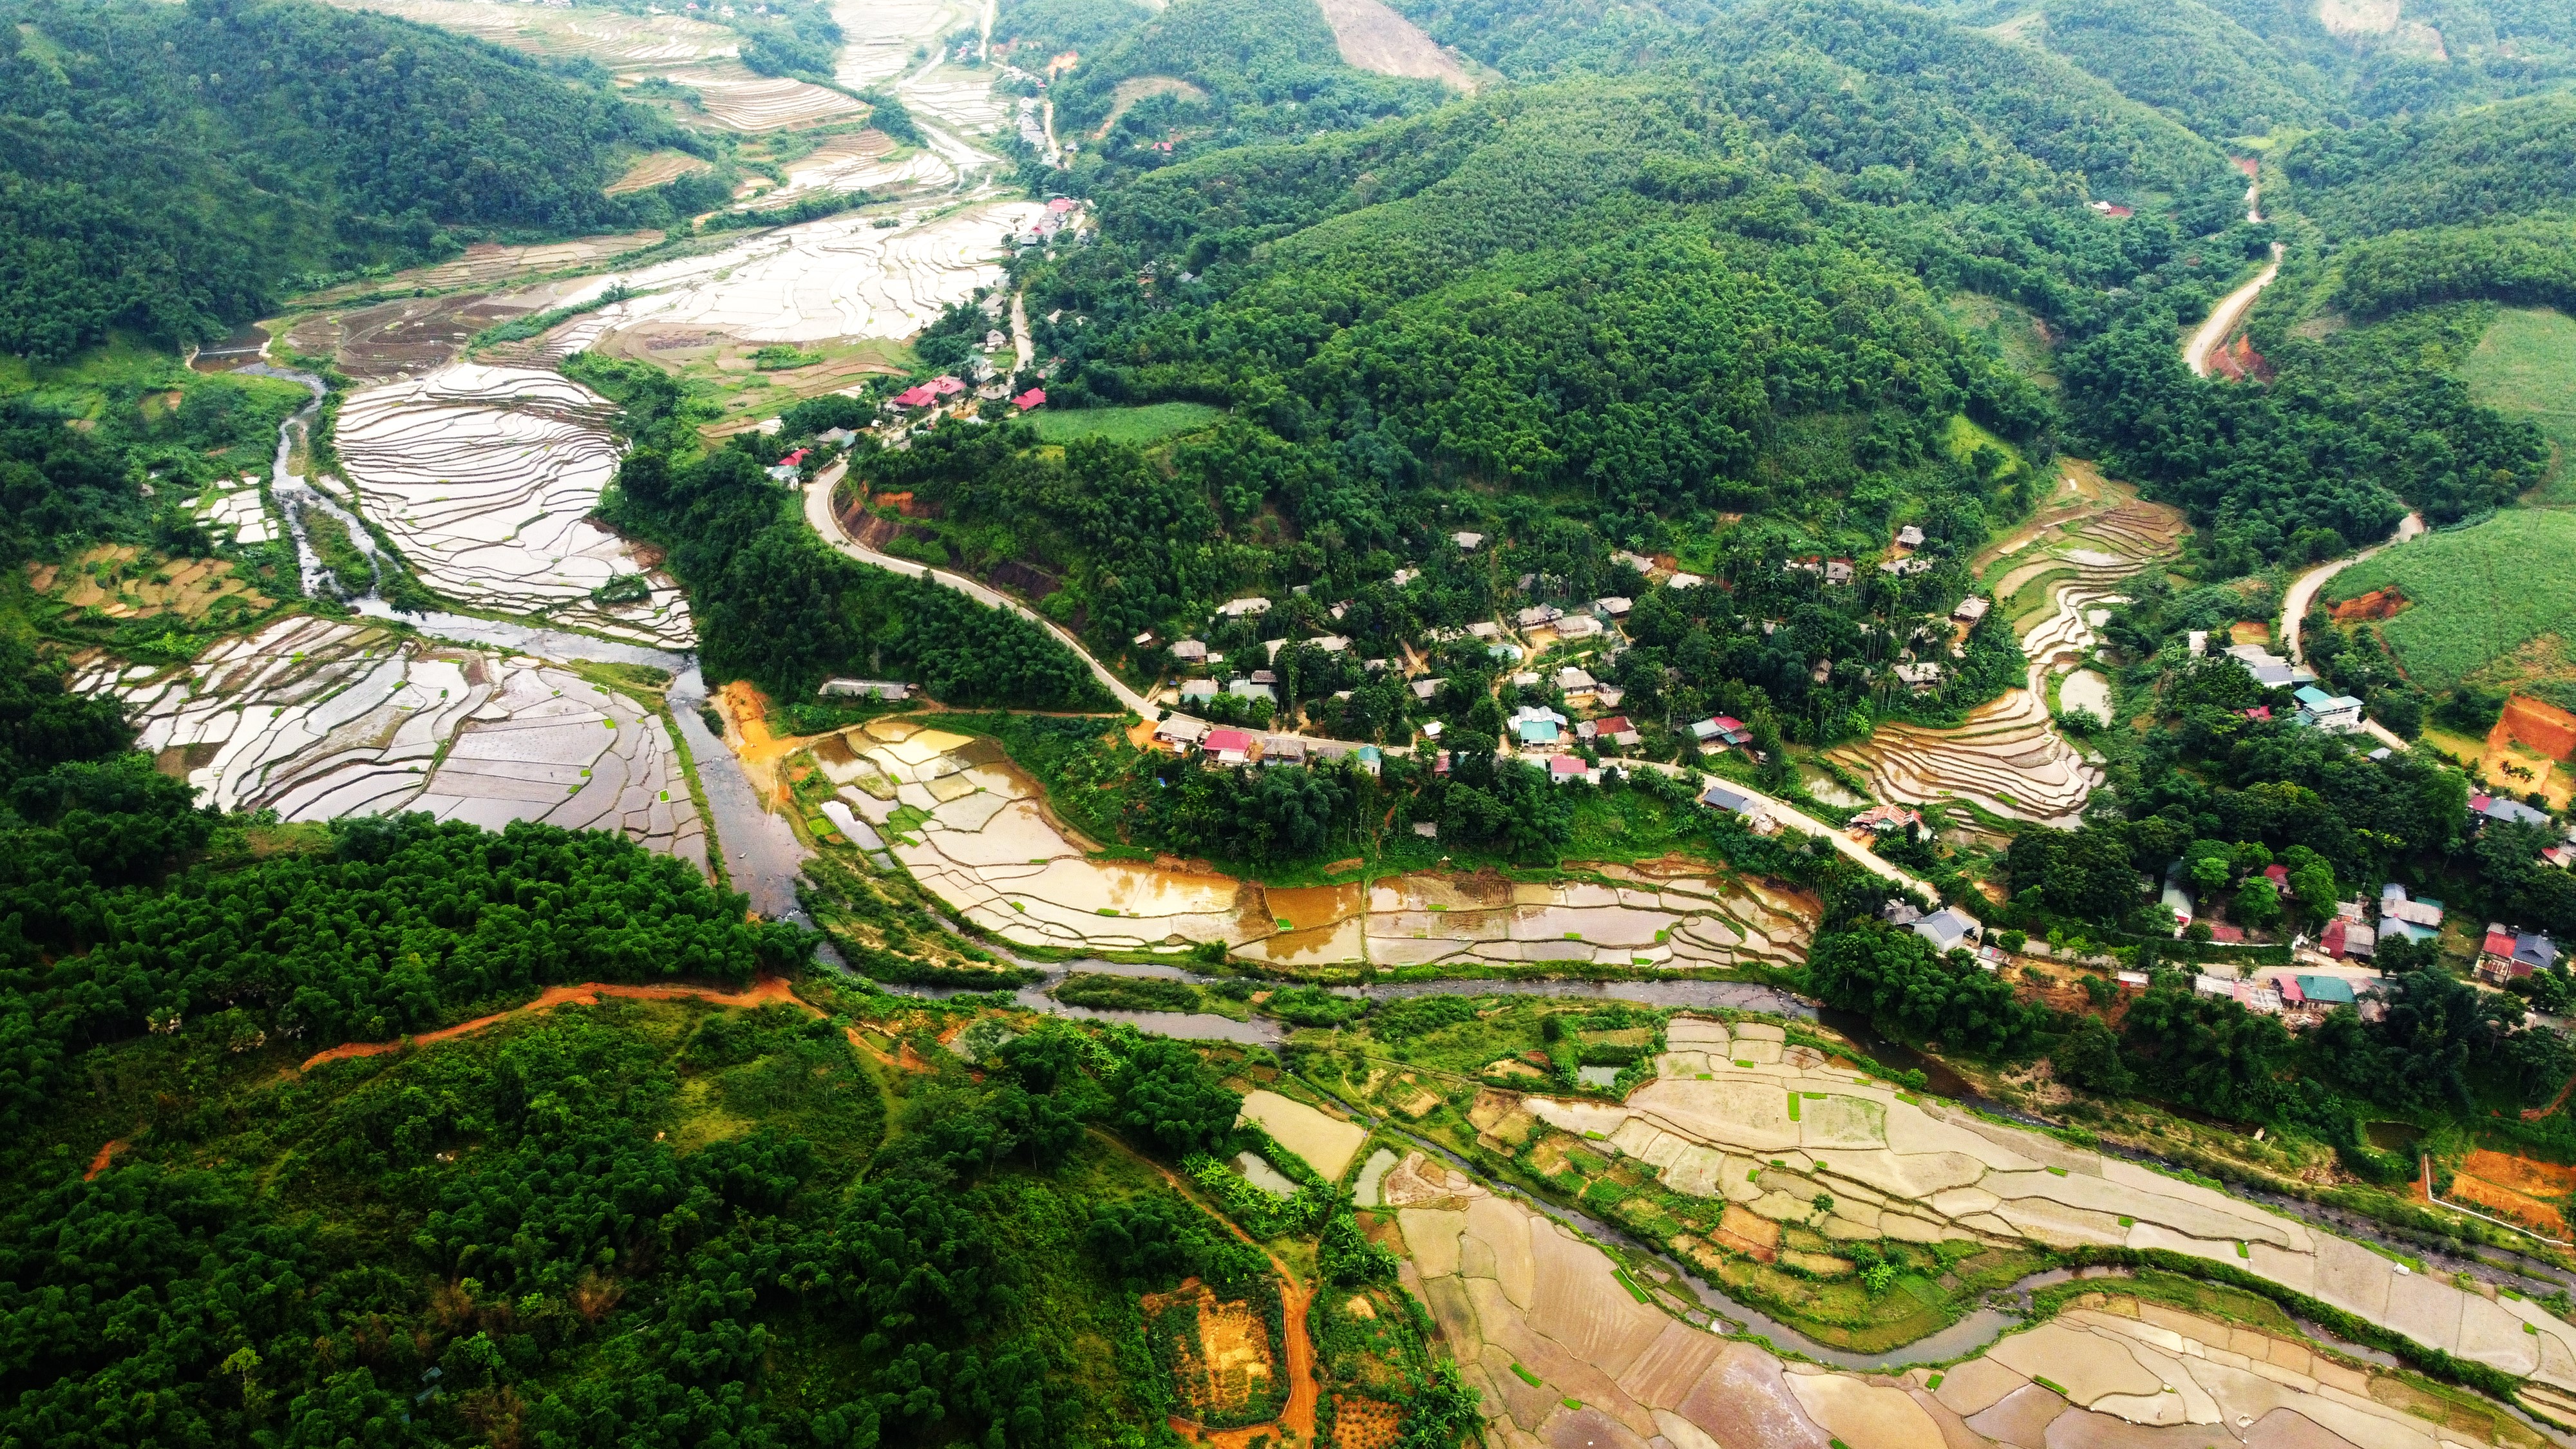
{"x":1537,"y":614}
{"x":1972,"y":608}
{"x":2500,"y":807}
{"x":1562,"y":768}
{"x":2269,"y":669}
{"x":1722,"y":796}
{"x":1189,"y":651}
{"x":1613,"y":607}
{"x":1537,"y":727}
{"x":1467,"y":540}
{"x":1718,"y":732}
{"x":1909,"y":537}
{"x":1243,"y":608}
{"x":1573,"y":679}
{"x":1198,"y":689}
{"x":1578,"y":626}
{"x":1879,"y":818}
{"x":2508,"y":955}
{"x":2333,"y":713}
{"x":1227,"y":746}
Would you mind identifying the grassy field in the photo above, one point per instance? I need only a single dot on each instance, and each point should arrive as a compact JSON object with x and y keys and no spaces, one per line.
{"x":2475,"y":596}
{"x":2525,"y":366}
{"x":1150,"y":423}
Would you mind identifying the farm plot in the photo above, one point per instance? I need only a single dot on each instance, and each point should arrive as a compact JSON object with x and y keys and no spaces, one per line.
{"x":968,"y":826}
{"x":1326,"y":1143}
{"x":483,"y":477}
{"x":2008,"y":759}
{"x":737,"y":99}
{"x":958,"y":97}
{"x":1641,"y":919}
{"x":857,"y":162}
{"x":1788,"y":1139}
{"x":2474,"y":596}
{"x":1567,"y":1350}
{"x":121,"y":582}
{"x":883,"y":36}
{"x":843,"y":277}
{"x":319,"y":720}
{"x":404,"y":338}
{"x":488,"y":264}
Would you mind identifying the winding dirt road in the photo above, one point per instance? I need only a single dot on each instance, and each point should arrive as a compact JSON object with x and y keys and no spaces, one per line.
{"x":2294,"y":609}
{"x":2224,"y":317}
{"x":768,"y":991}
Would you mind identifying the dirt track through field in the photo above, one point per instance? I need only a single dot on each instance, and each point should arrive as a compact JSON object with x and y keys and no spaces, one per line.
{"x":1296,"y":1421}
{"x":768,"y":991}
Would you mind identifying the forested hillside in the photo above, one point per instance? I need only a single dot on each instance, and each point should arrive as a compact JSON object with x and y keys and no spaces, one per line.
{"x":173,"y":169}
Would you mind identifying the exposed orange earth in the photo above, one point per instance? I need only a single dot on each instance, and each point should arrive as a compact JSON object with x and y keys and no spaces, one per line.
{"x":2514,"y":1188}
{"x":768,"y":991}
{"x":2377,"y":604}
{"x":2540,"y":725}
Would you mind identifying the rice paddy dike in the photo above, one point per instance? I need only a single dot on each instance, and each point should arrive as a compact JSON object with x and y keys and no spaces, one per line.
{"x":1742,"y":1166}
{"x":973,"y":829}
{"x":2055,"y":580}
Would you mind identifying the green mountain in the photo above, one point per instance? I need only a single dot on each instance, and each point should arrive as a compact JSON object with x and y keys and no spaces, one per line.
{"x":174,"y":168}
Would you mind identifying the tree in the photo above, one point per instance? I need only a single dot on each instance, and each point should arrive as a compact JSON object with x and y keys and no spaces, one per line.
{"x":1168,"y":1097}
{"x":2089,"y":1057}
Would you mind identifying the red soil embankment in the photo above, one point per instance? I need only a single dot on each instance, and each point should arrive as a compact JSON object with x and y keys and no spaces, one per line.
{"x":99,"y":1163}
{"x":2537,"y":725}
{"x":768,"y":991}
{"x":2377,"y":604}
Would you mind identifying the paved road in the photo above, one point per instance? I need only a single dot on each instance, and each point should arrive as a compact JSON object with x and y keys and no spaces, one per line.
{"x":2294,"y":604}
{"x":2224,"y":316}
{"x":2294,"y":609}
{"x":818,"y":513}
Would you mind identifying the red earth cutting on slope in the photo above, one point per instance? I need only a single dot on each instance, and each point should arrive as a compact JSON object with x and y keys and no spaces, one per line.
{"x":768,"y":991}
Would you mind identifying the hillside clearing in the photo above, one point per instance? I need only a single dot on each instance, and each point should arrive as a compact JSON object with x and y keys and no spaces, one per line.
{"x":2475,"y":596}
{"x":1150,"y":423}
{"x":2525,"y":366}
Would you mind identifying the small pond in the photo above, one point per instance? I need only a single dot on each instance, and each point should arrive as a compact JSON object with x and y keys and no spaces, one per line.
{"x":1597,"y":1076}
{"x":1258,"y":1171}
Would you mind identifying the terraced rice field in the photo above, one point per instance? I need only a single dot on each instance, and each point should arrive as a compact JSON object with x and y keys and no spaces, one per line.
{"x":616,"y":40}
{"x":1648,"y":917}
{"x":488,"y":264}
{"x":842,"y":277}
{"x":116,"y":580}
{"x":403,"y":338}
{"x":738,"y":99}
{"x":237,"y":509}
{"x":970,"y":827}
{"x":318,"y":720}
{"x":961,"y":98}
{"x":967,"y":824}
{"x":483,"y":477}
{"x":882,"y":35}
{"x":659,"y":169}
{"x":2008,"y":759}
{"x":857,"y":162}
{"x":1773,"y":1128}
{"x":1567,"y":1351}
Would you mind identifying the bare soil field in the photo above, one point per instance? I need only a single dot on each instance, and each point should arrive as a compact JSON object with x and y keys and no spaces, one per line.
{"x":486,"y":264}
{"x":658,"y":169}
{"x":1372,"y":37}
{"x":1129,"y":92}
{"x":400,"y":339}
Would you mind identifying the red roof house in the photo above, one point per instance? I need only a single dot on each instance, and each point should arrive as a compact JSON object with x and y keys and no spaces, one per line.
{"x":916,"y":397}
{"x":792,"y":459}
{"x":2258,"y":712}
{"x":2279,"y":876}
{"x":946,"y":386}
{"x":1227,"y":742}
{"x":1062,"y":204}
{"x":1034,"y":397}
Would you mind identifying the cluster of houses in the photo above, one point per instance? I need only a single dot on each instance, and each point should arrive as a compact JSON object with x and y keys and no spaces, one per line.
{"x":1228,"y":745}
{"x":2334,"y":713}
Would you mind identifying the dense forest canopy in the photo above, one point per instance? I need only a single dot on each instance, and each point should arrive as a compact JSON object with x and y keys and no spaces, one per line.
{"x":174,"y":168}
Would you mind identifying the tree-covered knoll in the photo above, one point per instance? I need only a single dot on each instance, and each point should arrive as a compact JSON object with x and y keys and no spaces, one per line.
{"x":1049,"y":27}
{"x":1536,"y":39}
{"x":2506,"y":161}
{"x":173,"y":168}
{"x":2036,"y":102}
{"x":775,"y":606}
{"x":1266,"y":68}
{"x":2530,"y":263}
{"x":2186,"y":59}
